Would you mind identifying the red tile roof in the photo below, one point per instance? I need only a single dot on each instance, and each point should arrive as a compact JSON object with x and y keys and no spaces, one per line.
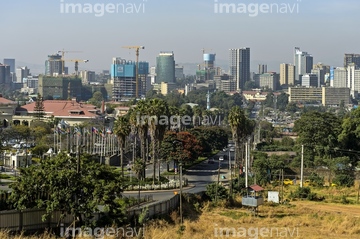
{"x":4,"y":101}
{"x":256,"y":188}
{"x":63,"y":108}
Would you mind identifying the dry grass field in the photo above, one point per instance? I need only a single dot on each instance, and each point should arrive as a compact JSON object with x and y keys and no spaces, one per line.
{"x":330,"y":219}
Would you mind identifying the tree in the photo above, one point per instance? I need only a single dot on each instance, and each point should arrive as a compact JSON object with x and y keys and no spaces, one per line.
{"x":282,"y":101}
{"x":122,"y":130}
{"x":96,"y":99}
{"x":39,"y":108}
{"x":56,"y":185}
{"x":180,"y":147}
{"x":318,"y":132}
{"x":241,"y":126}
{"x":156,"y":109}
{"x":349,"y":136}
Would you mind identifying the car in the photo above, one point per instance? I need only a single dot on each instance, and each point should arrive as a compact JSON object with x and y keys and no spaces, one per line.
{"x":210,"y":161}
{"x":333,"y":185}
{"x":221,"y":158}
{"x":288,"y":182}
{"x":308,"y":183}
{"x":232,"y":149}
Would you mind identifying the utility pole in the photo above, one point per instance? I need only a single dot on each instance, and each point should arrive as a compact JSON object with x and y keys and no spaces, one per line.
{"x":302,"y":167}
{"x":181,"y":179}
{"x":217,"y":185}
{"x":246,"y":164}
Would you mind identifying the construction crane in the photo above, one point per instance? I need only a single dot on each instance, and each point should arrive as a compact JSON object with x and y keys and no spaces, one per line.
{"x":76,"y":63}
{"x":62,"y":57}
{"x":137,"y":50}
{"x":204,"y":50}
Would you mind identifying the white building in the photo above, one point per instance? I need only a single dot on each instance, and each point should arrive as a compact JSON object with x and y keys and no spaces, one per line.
{"x":17,"y":159}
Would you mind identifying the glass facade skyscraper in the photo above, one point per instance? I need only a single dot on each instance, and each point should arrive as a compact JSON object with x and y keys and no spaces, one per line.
{"x":165,"y":67}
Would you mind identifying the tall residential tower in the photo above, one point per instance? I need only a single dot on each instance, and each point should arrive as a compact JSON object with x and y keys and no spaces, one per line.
{"x":240,"y":66}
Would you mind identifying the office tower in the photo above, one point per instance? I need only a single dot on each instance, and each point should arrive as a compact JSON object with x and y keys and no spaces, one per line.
{"x":209,"y":71}
{"x":21,"y":73}
{"x":269,"y":80}
{"x":123,"y":74}
{"x":87,"y":77}
{"x":353,"y":79}
{"x":287,"y":74}
{"x":320,"y":73}
{"x":352,"y":58}
{"x":303,"y":63}
{"x":309,"y":80}
{"x":54,"y":65}
{"x":11,"y":63}
{"x":5,"y":77}
{"x":165,"y":67}
{"x":240,"y":66}
{"x":339,"y":77}
{"x":262,"y":69}
{"x":179,"y":72}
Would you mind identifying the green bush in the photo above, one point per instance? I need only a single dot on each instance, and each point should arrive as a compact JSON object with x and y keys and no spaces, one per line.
{"x":316,"y":180}
{"x":304,"y":193}
{"x":222,"y":192}
{"x":343,"y":179}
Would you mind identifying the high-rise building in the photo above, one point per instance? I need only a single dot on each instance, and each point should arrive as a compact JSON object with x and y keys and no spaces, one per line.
{"x":21,"y":73}
{"x":123,"y":74}
{"x":269,"y":80}
{"x":303,"y":63}
{"x":179,"y":72}
{"x":240,"y":66}
{"x":165,"y":67}
{"x":262,"y":69}
{"x":287,"y":74}
{"x":309,"y":80}
{"x":340,"y":77}
{"x":320,"y":73}
{"x":87,"y":76}
{"x":11,"y":63}
{"x":352,"y":58}
{"x":5,"y":77}
{"x":353,"y":79}
{"x":54,"y":65}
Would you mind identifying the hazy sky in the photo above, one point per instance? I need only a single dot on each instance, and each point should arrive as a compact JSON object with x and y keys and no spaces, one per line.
{"x":31,"y":30}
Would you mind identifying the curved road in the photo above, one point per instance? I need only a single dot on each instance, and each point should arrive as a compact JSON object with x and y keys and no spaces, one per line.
{"x":199,"y":176}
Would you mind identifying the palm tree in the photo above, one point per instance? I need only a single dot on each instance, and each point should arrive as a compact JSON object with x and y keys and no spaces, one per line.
{"x":122,"y":130}
{"x":156,"y":109}
{"x":241,"y":127}
{"x":140,"y":127}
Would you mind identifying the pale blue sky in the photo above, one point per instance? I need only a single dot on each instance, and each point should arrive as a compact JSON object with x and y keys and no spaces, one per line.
{"x":33,"y":29}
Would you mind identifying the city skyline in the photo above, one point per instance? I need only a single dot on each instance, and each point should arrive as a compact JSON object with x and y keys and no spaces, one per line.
{"x":186,"y":31}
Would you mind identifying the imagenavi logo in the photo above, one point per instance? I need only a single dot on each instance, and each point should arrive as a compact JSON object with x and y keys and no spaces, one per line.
{"x":255,"y":9}
{"x":100,"y":9}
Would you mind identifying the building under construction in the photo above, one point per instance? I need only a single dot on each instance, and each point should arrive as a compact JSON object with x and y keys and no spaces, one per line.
{"x":123,"y":74}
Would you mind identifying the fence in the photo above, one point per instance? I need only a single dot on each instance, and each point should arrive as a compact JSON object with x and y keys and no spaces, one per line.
{"x":31,"y":219}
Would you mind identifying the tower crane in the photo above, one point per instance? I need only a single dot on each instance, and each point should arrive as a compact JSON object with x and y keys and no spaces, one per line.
{"x":204,"y":50}
{"x":62,"y":57}
{"x":137,"y":51}
{"x":76,"y":63}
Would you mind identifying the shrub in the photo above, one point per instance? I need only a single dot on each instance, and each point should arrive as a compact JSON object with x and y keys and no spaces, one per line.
{"x":222,"y":192}
{"x":344,"y":180}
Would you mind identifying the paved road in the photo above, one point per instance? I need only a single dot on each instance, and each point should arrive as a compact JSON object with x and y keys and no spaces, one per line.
{"x":199,"y":176}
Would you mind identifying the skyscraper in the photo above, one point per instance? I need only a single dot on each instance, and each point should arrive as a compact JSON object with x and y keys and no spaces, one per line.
{"x":5,"y":80}
{"x":240,"y":66}
{"x":165,"y":67}
{"x":303,"y":63}
{"x":21,"y":73}
{"x":11,"y":63}
{"x":352,"y":58}
{"x":262,"y":69}
{"x":287,"y":74}
{"x":123,"y":74}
